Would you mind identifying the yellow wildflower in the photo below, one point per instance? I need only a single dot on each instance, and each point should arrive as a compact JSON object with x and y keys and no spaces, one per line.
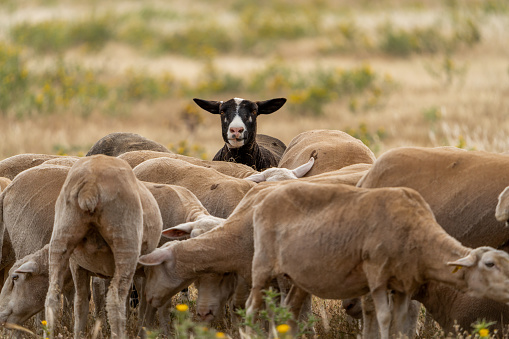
{"x":220,"y":335}
{"x":484,"y":332}
{"x":283,"y":328}
{"x":182,"y":307}
{"x":44,"y":323}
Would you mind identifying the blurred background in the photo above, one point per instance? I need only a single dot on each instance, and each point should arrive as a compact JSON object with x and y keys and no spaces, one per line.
{"x":390,"y":72}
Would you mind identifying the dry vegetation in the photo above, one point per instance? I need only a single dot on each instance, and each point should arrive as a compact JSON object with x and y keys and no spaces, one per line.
{"x":392,"y":73}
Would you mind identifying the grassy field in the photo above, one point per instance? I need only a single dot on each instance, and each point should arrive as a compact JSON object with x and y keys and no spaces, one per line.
{"x":392,"y":73}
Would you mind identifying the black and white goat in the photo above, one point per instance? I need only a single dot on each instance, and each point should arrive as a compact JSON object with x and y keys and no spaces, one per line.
{"x":238,"y":121}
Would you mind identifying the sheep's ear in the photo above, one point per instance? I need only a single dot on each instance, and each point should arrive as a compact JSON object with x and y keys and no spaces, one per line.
{"x":270,"y":106}
{"x":28,"y":267}
{"x":257,"y":177}
{"x":180,"y":232}
{"x":197,"y":232}
{"x":208,"y":105}
{"x":158,"y":256}
{"x":302,"y":170}
{"x":468,"y":261}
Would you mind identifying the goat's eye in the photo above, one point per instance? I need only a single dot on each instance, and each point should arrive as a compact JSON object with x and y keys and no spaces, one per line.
{"x":254,"y":112}
{"x":222,"y":112}
{"x":15,"y":277}
{"x":489,"y":264}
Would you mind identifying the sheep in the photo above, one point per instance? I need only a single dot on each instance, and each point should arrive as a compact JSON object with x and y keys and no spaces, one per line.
{"x":348,"y":175}
{"x":105,"y":219}
{"x":134,"y":158}
{"x":228,"y":248}
{"x":177,"y":205}
{"x":27,"y":207}
{"x":12,"y":166}
{"x":27,"y":213}
{"x":331,"y":149}
{"x":25,"y":288}
{"x":4,"y":182}
{"x":367,"y":240}
{"x":461,"y":188}
{"x":238,"y":123}
{"x":117,"y":143}
{"x":63,"y":161}
{"x":218,"y":192}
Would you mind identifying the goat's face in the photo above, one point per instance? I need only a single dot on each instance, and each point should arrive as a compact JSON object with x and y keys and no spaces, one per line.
{"x":238,"y":117}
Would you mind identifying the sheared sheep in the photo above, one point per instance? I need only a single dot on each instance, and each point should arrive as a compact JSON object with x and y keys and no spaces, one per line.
{"x":238,"y":123}
{"x":331,"y":149}
{"x":117,"y":143}
{"x":461,"y":188}
{"x":233,"y":169}
{"x":4,"y":182}
{"x":225,"y":249}
{"x":62,"y":161}
{"x":27,"y":209}
{"x":367,"y":240}
{"x":177,"y":205}
{"x":218,"y":192}
{"x":104,"y":220}
{"x":12,"y":166}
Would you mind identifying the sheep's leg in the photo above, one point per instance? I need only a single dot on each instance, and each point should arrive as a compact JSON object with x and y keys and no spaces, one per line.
{"x":370,"y":327}
{"x":294,"y":300}
{"x":67,"y":234}
{"x":125,"y":266}
{"x":238,"y":300}
{"x":401,"y":303}
{"x":99,"y":290}
{"x":81,"y":279}
{"x":383,"y":311}
{"x":147,"y":313}
{"x":164,"y":313}
{"x":261,"y":278}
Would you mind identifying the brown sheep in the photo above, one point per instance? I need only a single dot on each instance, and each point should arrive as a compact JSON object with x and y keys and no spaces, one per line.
{"x":331,"y":149}
{"x":105,"y":219}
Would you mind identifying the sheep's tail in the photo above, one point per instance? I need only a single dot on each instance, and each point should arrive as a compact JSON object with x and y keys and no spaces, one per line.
{"x":87,"y":194}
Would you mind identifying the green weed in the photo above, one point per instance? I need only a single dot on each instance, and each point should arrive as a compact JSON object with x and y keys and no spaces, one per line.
{"x":13,"y":78}
{"x":56,"y":36}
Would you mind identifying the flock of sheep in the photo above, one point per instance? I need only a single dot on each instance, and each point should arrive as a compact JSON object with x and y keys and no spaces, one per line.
{"x":320,"y":217}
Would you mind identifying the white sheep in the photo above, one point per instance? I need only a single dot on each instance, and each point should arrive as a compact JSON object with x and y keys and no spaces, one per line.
{"x":104,"y":219}
{"x":338,"y":241}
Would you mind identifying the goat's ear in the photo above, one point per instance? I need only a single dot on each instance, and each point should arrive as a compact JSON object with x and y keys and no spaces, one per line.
{"x":28,"y":267}
{"x":468,"y":261}
{"x":302,"y":170}
{"x":270,"y":106}
{"x":156,"y":257}
{"x":208,"y":105}
{"x":257,"y":177}
{"x":180,"y":232}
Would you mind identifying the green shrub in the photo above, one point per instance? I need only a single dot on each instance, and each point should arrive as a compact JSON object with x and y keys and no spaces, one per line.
{"x":13,"y":78}
{"x":56,"y":36}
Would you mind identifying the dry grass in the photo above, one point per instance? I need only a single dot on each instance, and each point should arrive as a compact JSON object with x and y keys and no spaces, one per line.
{"x":471,"y":110}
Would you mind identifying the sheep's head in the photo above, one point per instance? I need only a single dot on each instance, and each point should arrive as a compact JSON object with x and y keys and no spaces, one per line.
{"x":163,"y":281}
{"x":238,"y":117}
{"x":193,"y":229}
{"x":486,"y":272}
{"x":25,"y":279}
{"x":281,"y":174}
